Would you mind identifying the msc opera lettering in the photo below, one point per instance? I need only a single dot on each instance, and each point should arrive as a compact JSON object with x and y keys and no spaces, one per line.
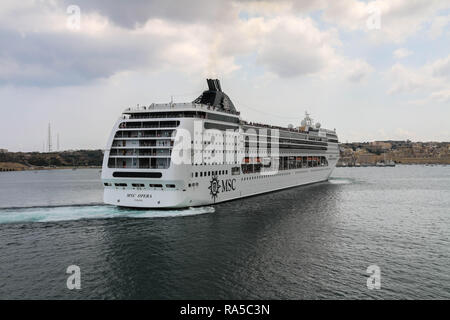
{"x":224,"y":186}
{"x":141,"y":195}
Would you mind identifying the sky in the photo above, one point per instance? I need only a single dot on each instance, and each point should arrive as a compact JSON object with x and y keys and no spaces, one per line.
{"x":373,"y":70}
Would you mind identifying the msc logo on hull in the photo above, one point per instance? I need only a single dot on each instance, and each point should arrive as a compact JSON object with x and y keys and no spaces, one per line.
{"x":216,"y":186}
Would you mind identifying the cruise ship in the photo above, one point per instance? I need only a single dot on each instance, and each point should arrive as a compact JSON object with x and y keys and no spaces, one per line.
{"x":178,"y":155}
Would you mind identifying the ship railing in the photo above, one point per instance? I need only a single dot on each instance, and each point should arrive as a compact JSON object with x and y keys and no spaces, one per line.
{"x":136,"y":167}
{"x":179,"y":105}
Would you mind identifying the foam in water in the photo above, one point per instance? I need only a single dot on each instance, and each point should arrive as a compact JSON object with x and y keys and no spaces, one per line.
{"x":339,"y":181}
{"x":67,"y":213}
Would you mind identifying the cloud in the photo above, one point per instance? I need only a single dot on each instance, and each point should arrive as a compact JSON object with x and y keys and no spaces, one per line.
{"x":399,"y":19}
{"x":440,"y":68}
{"x":131,"y":14}
{"x":292,"y":46}
{"x":441,"y":96}
{"x":402,"y":53}
{"x":404,"y":79}
{"x":358,"y":70}
{"x":39,"y":49}
{"x":438,"y":25}
{"x":432,"y":79}
{"x":58,"y":59}
{"x":49,"y":54}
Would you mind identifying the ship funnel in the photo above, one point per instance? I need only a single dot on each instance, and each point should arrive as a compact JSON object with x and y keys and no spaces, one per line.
{"x":215,"y":97}
{"x":219,"y":88}
{"x":211,"y":85}
{"x":214,"y":85}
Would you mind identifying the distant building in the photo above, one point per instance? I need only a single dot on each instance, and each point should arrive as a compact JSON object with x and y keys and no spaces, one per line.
{"x":3,"y":150}
{"x":381,"y":145}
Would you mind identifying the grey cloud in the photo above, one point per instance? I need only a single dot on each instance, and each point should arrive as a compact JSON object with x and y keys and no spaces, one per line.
{"x":294,"y":48}
{"x":441,"y":68}
{"x":288,"y":46}
{"x":52,"y":59}
{"x":60,"y":58}
{"x":291,"y":63}
{"x":129,"y":14}
{"x":356,"y":77}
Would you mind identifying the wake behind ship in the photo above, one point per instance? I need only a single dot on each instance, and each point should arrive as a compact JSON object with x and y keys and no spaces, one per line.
{"x":179,"y":155}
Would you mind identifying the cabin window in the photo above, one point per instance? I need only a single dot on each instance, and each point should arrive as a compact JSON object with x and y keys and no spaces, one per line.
{"x":170,"y":186}
{"x":138,"y":185}
{"x":155,"y":185}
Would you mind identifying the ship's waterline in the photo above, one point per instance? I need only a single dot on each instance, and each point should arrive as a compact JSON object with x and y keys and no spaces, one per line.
{"x":201,"y":153}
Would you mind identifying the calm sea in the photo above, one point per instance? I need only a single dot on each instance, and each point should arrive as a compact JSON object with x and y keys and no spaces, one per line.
{"x":310,"y":242}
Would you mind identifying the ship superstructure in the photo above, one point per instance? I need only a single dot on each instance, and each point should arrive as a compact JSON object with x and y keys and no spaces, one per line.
{"x":191,"y":154}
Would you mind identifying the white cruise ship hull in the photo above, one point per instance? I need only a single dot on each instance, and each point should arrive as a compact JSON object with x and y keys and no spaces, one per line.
{"x":200,"y":195}
{"x":202,"y":153}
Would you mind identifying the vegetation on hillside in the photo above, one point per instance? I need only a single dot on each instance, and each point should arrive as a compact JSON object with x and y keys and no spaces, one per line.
{"x":54,"y":159}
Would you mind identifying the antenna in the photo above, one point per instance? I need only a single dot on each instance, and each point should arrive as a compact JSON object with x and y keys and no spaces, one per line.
{"x":49,"y":138}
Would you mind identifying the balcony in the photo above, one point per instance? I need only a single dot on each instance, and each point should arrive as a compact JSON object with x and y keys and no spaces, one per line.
{"x":128,"y":125}
{"x":140,"y":153}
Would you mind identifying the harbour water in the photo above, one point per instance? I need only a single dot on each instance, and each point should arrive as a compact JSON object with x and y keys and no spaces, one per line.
{"x":309,"y":242}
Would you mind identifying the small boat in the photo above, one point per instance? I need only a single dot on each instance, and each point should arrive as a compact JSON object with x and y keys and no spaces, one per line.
{"x":390,"y":163}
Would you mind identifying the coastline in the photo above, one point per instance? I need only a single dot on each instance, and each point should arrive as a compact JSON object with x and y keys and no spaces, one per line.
{"x":70,"y":159}
{"x":11,"y":166}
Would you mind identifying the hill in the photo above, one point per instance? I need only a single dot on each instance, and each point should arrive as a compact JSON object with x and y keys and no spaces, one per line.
{"x":406,"y":152}
{"x":10,"y":161}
